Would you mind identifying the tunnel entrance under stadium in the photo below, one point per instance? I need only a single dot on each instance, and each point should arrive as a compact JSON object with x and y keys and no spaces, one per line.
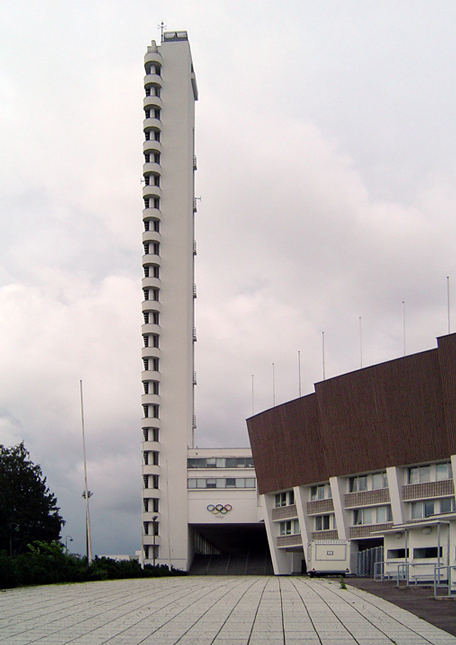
{"x":230,"y":549}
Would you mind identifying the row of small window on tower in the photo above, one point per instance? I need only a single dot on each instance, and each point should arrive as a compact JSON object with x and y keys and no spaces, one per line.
{"x":151,"y":481}
{"x":152,"y":180}
{"x":152,"y":135}
{"x":151,"y":410}
{"x":152,"y":225}
{"x":151,"y":317}
{"x":151,"y":457}
{"x":153,"y":157}
{"x":152,"y":202}
{"x":221,"y":482}
{"x":151,"y":364}
{"x":153,"y":90}
{"x":152,"y":271}
{"x":151,"y":340}
{"x":151,"y":504}
{"x":151,"y":528}
{"x":151,"y":293}
{"x":151,"y":434}
{"x":220,"y":462}
{"x":153,"y":68}
{"x":151,"y":248}
{"x":151,"y":387}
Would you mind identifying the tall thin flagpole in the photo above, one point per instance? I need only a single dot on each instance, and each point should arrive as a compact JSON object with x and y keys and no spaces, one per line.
{"x":299,"y":372}
{"x":360,"y":341}
{"x":273,"y":385}
{"x":403,"y":326}
{"x":448,"y":301}
{"x":86,"y":493}
{"x":323,"y":353}
{"x":253,"y":394}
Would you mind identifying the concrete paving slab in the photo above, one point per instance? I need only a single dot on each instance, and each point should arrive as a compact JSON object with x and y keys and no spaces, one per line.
{"x":221,"y":610}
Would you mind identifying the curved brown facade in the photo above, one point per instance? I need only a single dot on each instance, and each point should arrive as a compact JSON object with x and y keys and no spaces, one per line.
{"x":396,"y":413}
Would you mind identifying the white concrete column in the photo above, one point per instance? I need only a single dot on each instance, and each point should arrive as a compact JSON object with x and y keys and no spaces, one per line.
{"x":394,"y":476}
{"x":281,"y":562}
{"x":337,"y":492}
{"x":453,"y":466}
{"x":300,"y":501}
{"x":300,"y":493}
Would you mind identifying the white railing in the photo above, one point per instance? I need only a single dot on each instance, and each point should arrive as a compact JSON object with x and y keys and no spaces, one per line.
{"x":438,"y":576}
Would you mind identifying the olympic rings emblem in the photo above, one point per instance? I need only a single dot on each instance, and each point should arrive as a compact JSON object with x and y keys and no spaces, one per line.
{"x":219,"y":509}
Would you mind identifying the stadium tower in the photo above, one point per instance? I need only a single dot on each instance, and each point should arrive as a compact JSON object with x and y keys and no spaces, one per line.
{"x":168,"y":330}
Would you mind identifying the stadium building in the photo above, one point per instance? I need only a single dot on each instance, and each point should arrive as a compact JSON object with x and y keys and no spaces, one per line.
{"x":366,"y":461}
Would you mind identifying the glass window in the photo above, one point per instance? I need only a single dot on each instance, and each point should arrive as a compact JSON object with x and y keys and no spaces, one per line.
{"x":425,"y":473}
{"x":318,"y":492}
{"x":322,"y":522}
{"x":422,"y":509}
{"x":382,"y":514}
{"x":414,"y":475}
{"x":428,"y":509}
{"x":230,"y":482}
{"x":442,"y":471}
{"x":367,"y":515}
{"x":419,"y":474}
{"x":221,"y":462}
{"x":240,"y":482}
{"x":201,"y":483}
{"x":191,"y":483}
{"x":250,"y":482}
{"x":379,"y":480}
{"x":211,"y":483}
{"x":357,"y":483}
{"x":426,"y":552}
{"x":392,"y":554}
{"x":416,"y":510}
{"x":447,"y":505}
{"x":285,"y":528}
{"x":291,"y":499}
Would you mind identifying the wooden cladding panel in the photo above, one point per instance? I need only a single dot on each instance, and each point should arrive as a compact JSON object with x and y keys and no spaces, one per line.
{"x":365,"y":531}
{"x":289,"y":540}
{"x":396,"y":413}
{"x":366,"y":497}
{"x":320,"y":506}
{"x":428,"y":489}
{"x":331,"y":534}
{"x":284,"y":512}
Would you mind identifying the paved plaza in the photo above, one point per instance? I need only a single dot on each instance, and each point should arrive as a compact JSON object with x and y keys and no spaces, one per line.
{"x":252,"y":610}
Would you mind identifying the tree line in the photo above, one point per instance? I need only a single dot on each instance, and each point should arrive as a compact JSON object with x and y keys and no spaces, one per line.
{"x":30,"y":527}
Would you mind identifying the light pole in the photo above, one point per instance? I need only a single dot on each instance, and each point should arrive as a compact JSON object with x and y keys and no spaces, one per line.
{"x":87,"y":494}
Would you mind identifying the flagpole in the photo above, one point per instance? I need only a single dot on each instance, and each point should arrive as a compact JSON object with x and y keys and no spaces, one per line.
{"x":86,"y":494}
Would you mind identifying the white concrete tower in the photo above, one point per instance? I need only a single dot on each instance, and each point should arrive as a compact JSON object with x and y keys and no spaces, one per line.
{"x":169,"y":291}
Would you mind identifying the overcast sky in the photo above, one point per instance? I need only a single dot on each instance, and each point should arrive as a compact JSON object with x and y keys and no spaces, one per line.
{"x":326,"y":167}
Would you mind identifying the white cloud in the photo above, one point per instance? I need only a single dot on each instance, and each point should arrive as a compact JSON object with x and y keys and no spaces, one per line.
{"x":326,"y":171}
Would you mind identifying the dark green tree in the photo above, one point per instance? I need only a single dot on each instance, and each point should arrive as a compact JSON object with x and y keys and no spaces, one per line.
{"x":28,"y":510}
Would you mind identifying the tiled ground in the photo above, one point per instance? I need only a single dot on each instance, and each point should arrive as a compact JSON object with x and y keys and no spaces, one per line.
{"x":201,"y":610}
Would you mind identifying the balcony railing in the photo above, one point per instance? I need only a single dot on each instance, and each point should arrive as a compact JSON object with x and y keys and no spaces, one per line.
{"x":428,"y":489}
{"x":366,"y":498}
{"x":284,"y":512}
{"x":289,"y":540}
